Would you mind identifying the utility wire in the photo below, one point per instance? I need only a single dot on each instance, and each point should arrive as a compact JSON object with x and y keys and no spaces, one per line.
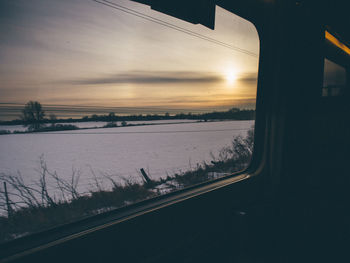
{"x":184,"y":29}
{"x":172,"y":26}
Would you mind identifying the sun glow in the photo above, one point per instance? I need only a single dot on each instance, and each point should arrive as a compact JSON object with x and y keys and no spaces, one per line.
{"x":230,"y":76}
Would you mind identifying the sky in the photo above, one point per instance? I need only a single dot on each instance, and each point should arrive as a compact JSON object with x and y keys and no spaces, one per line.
{"x":80,"y":53}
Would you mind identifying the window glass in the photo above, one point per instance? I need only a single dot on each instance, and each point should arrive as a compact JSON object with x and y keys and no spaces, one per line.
{"x":104,"y":104}
{"x":334,"y":79}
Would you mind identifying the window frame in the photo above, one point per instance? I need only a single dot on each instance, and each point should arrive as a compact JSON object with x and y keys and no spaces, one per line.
{"x":339,"y":57}
{"x":256,"y":175}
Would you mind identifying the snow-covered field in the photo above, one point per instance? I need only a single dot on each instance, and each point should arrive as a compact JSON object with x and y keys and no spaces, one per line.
{"x":122,"y":151}
{"x":97,"y":124}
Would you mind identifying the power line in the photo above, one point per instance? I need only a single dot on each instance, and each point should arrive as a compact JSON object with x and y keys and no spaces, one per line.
{"x":172,"y":26}
{"x":187,"y":30}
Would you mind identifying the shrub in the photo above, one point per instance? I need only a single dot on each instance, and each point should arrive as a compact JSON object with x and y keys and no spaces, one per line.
{"x":57,"y":127}
{"x":110,"y":125}
{"x":4,"y":132}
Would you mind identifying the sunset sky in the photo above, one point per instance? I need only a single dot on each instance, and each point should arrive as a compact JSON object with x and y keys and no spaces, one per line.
{"x":82,"y":53}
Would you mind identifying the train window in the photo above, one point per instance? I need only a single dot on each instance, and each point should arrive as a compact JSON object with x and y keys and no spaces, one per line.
{"x":334,"y":79}
{"x":107,"y":103}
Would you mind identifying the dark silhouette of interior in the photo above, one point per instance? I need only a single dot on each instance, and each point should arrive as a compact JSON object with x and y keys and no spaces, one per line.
{"x":294,"y":204}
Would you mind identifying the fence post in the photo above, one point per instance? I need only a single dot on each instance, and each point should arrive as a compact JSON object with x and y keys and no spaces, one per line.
{"x":144,"y":174}
{"x":9,"y":208}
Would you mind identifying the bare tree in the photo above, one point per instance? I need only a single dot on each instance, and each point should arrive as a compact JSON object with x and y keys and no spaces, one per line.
{"x":33,"y":115}
{"x":53,"y":119}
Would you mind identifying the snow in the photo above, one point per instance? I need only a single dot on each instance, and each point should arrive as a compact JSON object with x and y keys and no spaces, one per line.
{"x":119,"y":152}
{"x":13,"y":128}
{"x":96,"y":124}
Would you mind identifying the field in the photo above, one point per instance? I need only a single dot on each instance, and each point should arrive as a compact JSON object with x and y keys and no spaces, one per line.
{"x":97,"y":124}
{"x":55,"y":178}
{"x":118,"y":152}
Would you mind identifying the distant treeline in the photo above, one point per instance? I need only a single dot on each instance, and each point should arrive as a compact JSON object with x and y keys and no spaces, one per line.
{"x":55,"y":127}
{"x":232,"y":114}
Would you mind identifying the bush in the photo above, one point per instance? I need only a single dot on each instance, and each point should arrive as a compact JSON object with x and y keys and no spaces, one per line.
{"x":61,"y":127}
{"x":110,"y":125}
{"x":2,"y":132}
{"x":57,"y":127}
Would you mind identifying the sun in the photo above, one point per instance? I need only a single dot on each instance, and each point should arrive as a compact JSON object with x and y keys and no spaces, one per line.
{"x":230,"y":76}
